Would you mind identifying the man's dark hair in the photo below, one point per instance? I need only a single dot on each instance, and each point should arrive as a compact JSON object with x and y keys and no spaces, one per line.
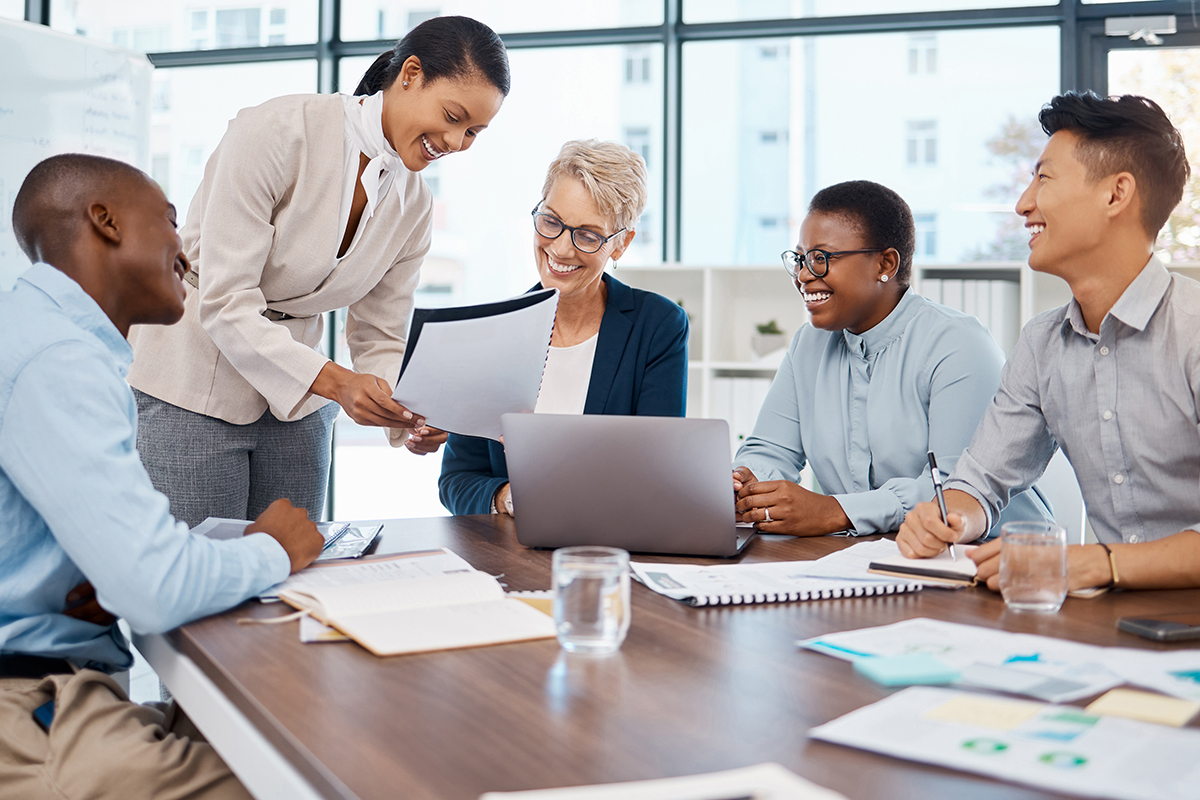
{"x":448,"y":47}
{"x":1125,"y":134}
{"x":51,"y":204}
{"x":881,"y":216}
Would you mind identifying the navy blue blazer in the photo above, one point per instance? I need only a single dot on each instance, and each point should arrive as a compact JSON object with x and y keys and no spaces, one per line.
{"x":640,"y":368}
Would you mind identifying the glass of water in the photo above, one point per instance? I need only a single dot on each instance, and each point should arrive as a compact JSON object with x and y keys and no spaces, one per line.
{"x":1033,"y":566}
{"x":591,"y":598}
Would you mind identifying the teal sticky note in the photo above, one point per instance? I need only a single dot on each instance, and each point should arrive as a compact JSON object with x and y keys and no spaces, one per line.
{"x":906,"y":670}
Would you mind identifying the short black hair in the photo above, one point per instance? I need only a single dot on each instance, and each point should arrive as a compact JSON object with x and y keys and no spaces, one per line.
{"x":1130,"y":134}
{"x":881,"y":216}
{"x":448,"y":47}
{"x":51,"y":204}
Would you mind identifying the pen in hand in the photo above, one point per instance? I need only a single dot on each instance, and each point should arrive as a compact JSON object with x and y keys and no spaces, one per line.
{"x":941,"y":498}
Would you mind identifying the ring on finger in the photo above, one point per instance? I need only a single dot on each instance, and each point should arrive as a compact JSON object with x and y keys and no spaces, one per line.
{"x":767,"y":511}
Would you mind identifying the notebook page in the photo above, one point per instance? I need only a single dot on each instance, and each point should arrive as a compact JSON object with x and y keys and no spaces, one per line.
{"x":418,"y":630}
{"x":377,"y":569}
{"x":340,"y":602}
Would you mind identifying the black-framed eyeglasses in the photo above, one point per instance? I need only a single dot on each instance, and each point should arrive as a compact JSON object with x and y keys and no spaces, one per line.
{"x":551,"y":227}
{"x":817,"y":261}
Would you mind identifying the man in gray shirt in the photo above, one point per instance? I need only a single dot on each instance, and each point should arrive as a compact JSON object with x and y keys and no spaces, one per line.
{"x":1113,"y":377}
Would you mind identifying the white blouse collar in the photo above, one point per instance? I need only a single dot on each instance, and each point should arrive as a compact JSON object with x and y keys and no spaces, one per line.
{"x":364,"y":122}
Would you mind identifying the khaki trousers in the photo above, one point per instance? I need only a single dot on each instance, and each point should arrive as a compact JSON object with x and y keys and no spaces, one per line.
{"x":101,"y":745}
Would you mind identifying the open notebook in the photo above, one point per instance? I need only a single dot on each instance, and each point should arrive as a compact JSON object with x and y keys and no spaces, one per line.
{"x":416,"y":615}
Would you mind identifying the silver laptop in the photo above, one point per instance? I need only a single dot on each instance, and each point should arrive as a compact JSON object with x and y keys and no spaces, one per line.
{"x":644,"y":484}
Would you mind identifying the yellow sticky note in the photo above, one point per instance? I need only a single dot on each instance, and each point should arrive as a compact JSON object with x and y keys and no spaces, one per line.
{"x":1146,"y":706}
{"x":984,"y":712}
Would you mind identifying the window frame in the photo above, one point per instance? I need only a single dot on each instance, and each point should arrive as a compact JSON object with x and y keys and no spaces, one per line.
{"x":1083,"y":54}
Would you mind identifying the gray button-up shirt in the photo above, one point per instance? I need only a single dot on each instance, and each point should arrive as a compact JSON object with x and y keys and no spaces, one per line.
{"x":1122,"y":405}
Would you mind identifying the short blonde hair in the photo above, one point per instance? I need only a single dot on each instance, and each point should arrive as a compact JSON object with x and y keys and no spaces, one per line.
{"x":613,"y":175}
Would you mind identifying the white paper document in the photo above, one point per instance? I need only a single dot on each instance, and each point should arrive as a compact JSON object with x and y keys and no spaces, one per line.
{"x":464,"y":367}
{"x":377,"y":569}
{"x":1060,"y":748}
{"x":1049,"y":669}
{"x":765,"y":781}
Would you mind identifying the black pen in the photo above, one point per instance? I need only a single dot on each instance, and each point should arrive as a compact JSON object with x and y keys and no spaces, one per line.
{"x":941,"y":498}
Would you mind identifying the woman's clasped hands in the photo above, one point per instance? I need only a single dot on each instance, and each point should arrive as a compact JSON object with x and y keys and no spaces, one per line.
{"x":785,"y":507}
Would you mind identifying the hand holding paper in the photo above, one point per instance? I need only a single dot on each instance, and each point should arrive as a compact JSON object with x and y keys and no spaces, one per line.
{"x":466,"y":366}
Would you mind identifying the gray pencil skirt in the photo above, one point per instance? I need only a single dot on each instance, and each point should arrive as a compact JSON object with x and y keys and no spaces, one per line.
{"x":211,"y":468}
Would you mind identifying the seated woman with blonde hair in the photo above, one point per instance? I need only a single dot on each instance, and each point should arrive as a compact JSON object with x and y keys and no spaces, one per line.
{"x":614,"y":349}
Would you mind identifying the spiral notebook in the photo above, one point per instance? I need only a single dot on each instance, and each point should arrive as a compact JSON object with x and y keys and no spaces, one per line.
{"x":836,"y":575}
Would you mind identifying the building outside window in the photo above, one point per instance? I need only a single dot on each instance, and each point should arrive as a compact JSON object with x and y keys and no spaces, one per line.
{"x":922,"y":54}
{"x":921,"y":145}
{"x":638,"y":140}
{"x":926,"y":225}
{"x":637,"y":64}
{"x":238,"y":27}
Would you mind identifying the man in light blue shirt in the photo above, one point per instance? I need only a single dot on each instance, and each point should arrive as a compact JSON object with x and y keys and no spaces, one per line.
{"x":77,"y":507}
{"x":1113,"y":377}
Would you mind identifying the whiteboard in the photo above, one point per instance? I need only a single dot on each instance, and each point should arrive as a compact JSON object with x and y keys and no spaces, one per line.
{"x":64,"y":94}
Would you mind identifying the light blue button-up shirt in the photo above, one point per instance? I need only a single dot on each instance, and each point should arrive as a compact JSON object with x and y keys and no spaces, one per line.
{"x":76,"y":503}
{"x":864,"y":410}
{"x":1123,"y":404}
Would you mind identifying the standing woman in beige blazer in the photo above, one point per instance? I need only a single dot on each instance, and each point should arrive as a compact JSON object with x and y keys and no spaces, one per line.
{"x":310,"y":203}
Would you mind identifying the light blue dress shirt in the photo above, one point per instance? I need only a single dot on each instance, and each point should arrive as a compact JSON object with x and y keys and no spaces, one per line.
{"x":864,"y":410}
{"x":1123,"y":404}
{"x":76,"y":503}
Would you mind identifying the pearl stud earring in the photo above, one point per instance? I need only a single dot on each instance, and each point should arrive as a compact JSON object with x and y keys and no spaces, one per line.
{"x":883,"y":278}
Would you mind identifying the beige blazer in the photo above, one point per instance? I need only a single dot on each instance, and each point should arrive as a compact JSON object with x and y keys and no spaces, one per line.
{"x":262,"y":231}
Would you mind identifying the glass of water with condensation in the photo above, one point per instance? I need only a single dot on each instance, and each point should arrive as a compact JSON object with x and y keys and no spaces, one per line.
{"x":591,"y":598}
{"x":1033,"y":566}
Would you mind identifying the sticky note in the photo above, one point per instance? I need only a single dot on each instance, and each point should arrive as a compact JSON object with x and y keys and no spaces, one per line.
{"x":984,"y":712}
{"x":1146,"y":706}
{"x":906,"y":670}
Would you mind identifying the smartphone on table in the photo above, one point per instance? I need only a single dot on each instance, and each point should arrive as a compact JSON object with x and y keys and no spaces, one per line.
{"x":1164,"y":627}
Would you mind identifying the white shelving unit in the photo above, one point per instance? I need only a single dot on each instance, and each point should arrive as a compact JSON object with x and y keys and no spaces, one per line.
{"x":725,"y":304}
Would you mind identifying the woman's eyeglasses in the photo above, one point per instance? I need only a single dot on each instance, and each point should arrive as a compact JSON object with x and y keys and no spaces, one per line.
{"x":817,"y":261}
{"x":551,"y":227}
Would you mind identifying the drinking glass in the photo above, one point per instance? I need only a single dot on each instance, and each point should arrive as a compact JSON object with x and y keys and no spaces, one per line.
{"x":591,"y":598}
{"x":1033,"y":566}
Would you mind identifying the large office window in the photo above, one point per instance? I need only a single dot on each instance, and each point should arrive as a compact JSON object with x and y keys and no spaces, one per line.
{"x":845,"y":112}
{"x":191,"y":109}
{"x":483,"y":234}
{"x":736,"y":146}
{"x":1171,"y":76}
{"x":162,"y":25}
{"x":696,"y":11}
{"x":391,"y":19}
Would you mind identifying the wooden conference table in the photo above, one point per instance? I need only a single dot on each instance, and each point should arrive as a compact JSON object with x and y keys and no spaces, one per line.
{"x":692,"y":690}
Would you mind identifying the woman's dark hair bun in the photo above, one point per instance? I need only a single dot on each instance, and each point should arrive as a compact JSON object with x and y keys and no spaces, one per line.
{"x":447,"y":47}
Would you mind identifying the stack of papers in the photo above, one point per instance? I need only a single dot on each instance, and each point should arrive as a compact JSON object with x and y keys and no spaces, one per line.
{"x":1061,"y":748}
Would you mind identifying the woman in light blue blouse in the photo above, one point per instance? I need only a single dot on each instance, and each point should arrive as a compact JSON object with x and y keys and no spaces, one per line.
{"x":880,"y":377}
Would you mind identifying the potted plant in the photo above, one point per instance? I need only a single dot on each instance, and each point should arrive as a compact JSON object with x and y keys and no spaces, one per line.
{"x":768,"y":339}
